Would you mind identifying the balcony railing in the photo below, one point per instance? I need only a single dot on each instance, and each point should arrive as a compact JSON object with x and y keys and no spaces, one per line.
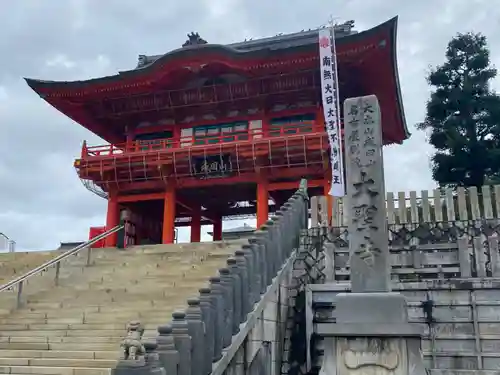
{"x":290,"y":131}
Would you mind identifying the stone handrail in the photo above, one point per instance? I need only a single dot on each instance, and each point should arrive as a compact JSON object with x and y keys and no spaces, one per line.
{"x":204,"y":338}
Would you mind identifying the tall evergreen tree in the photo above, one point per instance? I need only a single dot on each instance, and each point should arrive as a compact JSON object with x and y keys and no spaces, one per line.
{"x":463,"y":115}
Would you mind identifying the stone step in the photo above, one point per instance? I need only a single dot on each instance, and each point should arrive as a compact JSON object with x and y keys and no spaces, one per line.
{"x":61,"y":346}
{"x":95,"y":311}
{"x":53,"y":312}
{"x":183,"y":263}
{"x":59,"y":362}
{"x":64,"y":333}
{"x":75,"y":333}
{"x":64,"y":327}
{"x":76,"y":328}
{"x":195,"y":271}
{"x":98,"y":288}
{"x":146,"y":280}
{"x":35,"y":370}
{"x":179,"y":299}
{"x":111,"y":355}
{"x":104,"y":267}
{"x":95,"y":317}
{"x":56,"y":340}
{"x":84,"y":287}
{"x":155,"y":261}
{"x":136,"y":289}
{"x":113,"y":297}
{"x":124,"y":285}
{"x":148,"y":317}
{"x":42,"y":319}
{"x":108,"y":306}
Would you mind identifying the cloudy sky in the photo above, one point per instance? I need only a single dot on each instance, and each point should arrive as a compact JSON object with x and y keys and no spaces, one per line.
{"x":41,"y":198}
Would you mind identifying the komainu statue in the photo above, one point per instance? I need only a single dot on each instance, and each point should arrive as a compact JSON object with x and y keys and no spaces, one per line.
{"x":132,"y":344}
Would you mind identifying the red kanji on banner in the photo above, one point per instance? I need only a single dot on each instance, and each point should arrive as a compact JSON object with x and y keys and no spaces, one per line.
{"x":324,"y":42}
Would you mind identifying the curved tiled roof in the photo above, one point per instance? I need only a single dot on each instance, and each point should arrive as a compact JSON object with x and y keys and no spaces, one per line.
{"x":69,"y":97}
{"x":282,"y":41}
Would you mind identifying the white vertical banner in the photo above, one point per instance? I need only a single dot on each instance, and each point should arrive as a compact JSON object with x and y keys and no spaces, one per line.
{"x":329,"y":94}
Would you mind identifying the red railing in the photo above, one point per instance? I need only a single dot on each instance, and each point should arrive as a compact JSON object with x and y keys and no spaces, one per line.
{"x":223,"y":93}
{"x":247,"y":136}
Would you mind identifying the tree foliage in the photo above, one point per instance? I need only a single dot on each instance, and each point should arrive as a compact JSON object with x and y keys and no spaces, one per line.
{"x":463,"y":115}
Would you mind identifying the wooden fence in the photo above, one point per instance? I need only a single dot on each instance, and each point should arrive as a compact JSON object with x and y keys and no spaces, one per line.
{"x":462,"y":258}
{"x":432,"y":206}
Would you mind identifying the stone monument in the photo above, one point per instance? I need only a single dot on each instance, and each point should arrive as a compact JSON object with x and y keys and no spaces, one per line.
{"x":371,"y":334}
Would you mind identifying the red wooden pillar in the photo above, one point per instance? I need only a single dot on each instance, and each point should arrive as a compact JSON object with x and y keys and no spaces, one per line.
{"x":196,"y":224}
{"x":112,"y":220}
{"x":262,"y":201}
{"x":168,"y":232}
{"x":266,"y":125}
{"x":218,"y":230}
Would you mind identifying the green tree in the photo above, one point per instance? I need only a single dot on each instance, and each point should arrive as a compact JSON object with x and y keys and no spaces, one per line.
{"x":463,"y":115}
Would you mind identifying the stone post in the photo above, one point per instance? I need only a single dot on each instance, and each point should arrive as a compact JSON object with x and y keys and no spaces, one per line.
{"x":245,"y":287}
{"x":182,"y":342}
{"x":273,"y":241}
{"x":168,"y":355}
{"x":272,"y":246}
{"x":371,"y":329}
{"x":260,"y":243}
{"x":152,"y":359}
{"x":278,"y":241}
{"x":142,"y":366}
{"x":288,"y":210}
{"x":196,"y":331}
{"x":301,"y":206}
{"x":284,"y":213}
{"x":252,"y":274}
{"x":217,"y":294}
{"x":226,"y":281}
{"x":304,"y":203}
{"x":233,"y":267}
{"x":208,"y":316}
{"x":257,"y":242}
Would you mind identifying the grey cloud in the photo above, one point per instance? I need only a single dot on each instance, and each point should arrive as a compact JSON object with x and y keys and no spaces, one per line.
{"x":41,"y":198}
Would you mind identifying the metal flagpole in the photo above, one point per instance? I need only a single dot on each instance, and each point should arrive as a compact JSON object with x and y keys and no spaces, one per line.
{"x":337,"y":98}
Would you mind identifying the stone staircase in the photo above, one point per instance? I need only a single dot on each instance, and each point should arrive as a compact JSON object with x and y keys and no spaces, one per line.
{"x":16,"y":264}
{"x":75,"y":328}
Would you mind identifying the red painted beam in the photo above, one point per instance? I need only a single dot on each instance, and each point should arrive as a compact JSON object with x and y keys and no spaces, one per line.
{"x":243,"y":178}
{"x":294,"y":185}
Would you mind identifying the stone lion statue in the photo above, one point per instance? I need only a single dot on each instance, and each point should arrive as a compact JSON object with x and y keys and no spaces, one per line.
{"x":132,"y":344}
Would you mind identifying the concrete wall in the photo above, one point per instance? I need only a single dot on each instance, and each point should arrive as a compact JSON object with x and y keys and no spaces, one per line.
{"x":461,"y":320}
{"x":274,"y":336}
{"x":258,"y":347}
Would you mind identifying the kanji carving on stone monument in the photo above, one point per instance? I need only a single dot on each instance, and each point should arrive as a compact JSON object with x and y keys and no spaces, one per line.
{"x":365,"y":190}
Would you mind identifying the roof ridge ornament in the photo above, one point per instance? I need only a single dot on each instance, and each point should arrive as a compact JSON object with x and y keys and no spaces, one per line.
{"x":142,"y":60}
{"x":194,"y":39}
